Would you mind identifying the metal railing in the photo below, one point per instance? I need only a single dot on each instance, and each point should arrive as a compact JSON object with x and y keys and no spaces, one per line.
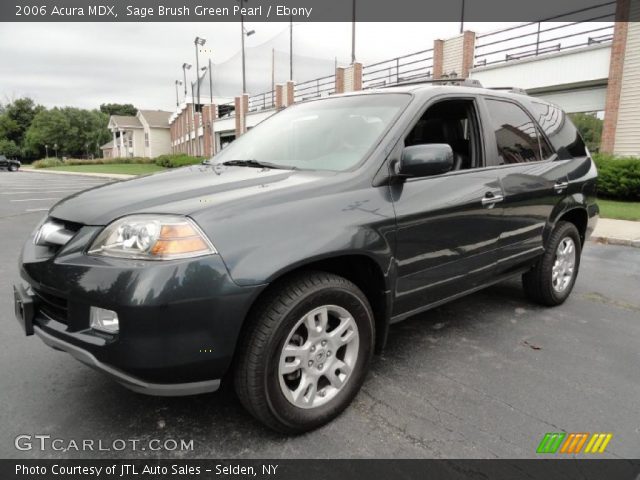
{"x":316,"y":88}
{"x":414,"y":66}
{"x":546,"y":36}
{"x":262,"y":101}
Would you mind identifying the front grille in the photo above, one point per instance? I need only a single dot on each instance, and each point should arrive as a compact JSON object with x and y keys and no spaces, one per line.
{"x":60,"y":238}
{"x":52,"y":306}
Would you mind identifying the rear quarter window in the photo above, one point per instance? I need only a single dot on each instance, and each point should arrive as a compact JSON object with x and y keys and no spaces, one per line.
{"x":560,"y":131}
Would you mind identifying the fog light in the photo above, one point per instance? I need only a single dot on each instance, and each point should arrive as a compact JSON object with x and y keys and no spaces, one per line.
{"x":104,"y":320}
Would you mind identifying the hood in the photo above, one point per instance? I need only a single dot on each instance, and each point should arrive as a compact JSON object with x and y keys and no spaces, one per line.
{"x":182,"y":192}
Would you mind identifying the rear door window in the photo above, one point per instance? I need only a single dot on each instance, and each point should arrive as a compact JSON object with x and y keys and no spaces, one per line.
{"x":559,"y":129}
{"x":516,"y":134}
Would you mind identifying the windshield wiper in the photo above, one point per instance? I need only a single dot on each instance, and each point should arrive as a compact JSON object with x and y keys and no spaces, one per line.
{"x":256,"y":164}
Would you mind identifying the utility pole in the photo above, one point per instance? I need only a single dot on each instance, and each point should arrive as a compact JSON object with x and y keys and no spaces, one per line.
{"x":178,"y":83}
{"x":353,"y":35}
{"x":291,"y":48}
{"x":211,"y":116}
{"x":462,"y":18}
{"x":185,"y":67}
{"x":273,"y":75}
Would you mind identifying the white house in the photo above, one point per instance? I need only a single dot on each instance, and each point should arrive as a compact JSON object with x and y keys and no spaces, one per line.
{"x":145,"y":135}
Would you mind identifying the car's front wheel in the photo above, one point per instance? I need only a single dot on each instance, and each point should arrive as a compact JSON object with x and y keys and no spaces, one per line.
{"x":305,"y":352}
{"x":551,"y":280}
{"x":13,"y":168}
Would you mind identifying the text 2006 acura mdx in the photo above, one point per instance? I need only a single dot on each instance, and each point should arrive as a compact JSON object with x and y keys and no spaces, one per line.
{"x":285,"y":258}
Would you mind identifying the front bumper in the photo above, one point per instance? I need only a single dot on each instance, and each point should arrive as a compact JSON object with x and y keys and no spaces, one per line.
{"x":179,"y":320}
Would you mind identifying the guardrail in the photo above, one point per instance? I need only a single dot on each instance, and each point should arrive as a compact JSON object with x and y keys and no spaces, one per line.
{"x":414,"y":66}
{"x":262,"y":101}
{"x":545,"y":36}
{"x":316,"y":88}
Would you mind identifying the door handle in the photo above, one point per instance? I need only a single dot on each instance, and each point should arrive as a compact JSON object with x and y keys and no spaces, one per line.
{"x":490,"y":199}
{"x":560,"y":186}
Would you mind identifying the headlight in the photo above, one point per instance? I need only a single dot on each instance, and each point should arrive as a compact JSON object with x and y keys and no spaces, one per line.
{"x":152,"y":237}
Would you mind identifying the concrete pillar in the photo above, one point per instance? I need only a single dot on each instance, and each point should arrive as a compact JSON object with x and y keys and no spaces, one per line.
{"x":280,"y":96}
{"x":122,"y":150}
{"x":209,"y":117}
{"x":616,"y":73}
{"x":357,"y":76}
{"x":438,"y":51}
{"x":290,"y":92}
{"x":340,"y":79}
{"x":242,"y":107}
{"x":349,"y":79}
{"x":468,"y":52}
{"x":454,"y":56}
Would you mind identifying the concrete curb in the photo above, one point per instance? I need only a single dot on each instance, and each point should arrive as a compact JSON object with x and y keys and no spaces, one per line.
{"x":616,"y":241}
{"x":120,"y":176}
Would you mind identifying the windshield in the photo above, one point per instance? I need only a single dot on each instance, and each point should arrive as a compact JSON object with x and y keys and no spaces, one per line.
{"x":330,"y":134}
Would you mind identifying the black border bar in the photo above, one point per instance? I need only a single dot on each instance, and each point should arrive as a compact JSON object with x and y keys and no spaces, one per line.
{"x":303,"y":10}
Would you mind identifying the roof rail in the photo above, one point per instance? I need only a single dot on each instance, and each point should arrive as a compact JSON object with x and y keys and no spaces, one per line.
{"x":461,"y":82}
{"x":517,"y":90}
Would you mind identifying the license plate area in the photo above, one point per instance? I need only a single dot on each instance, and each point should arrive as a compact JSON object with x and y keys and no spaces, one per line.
{"x":24,"y":308}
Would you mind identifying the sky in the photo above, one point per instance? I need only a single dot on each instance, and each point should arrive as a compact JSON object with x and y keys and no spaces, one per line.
{"x":86,"y":64}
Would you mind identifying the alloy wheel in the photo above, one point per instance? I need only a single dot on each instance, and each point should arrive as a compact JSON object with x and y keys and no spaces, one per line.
{"x":564,"y":265}
{"x":318,"y":356}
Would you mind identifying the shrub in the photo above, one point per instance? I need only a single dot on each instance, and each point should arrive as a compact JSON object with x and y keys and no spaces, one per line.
{"x":48,"y":163}
{"x":177,"y":160}
{"x":107,"y":161}
{"x":618,"y":177}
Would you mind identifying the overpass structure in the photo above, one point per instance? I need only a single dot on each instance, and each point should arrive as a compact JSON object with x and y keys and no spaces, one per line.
{"x":587,"y":66}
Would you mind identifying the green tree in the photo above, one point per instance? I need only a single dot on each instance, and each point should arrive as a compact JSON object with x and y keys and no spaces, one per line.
{"x":16,"y":119}
{"x":49,"y":127}
{"x":77,"y":132}
{"x":119,"y":109}
{"x":590,"y":127}
{"x":8,"y":148}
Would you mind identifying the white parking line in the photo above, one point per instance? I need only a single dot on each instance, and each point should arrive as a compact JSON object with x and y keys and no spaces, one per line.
{"x":28,"y":192}
{"x":33,"y":199}
{"x":37,"y":210}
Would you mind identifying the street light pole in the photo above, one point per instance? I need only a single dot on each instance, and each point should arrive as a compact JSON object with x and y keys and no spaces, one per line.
{"x":291,"y":48}
{"x":198,"y":42}
{"x":193,"y":121}
{"x":178,"y":83}
{"x":462,"y":18}
{"x":244,"y":78}
{"x":353,"y":34}
{"x":185,"y":67}
{"x":248,"y":33}
{"x":213,"y":137}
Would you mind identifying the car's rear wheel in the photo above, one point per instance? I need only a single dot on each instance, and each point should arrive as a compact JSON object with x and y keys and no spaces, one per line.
{"x":551,"y":280}
{"x":305,"y":352}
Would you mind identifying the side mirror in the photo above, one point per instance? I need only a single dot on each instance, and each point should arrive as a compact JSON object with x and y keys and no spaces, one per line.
{"x":425,"y":160}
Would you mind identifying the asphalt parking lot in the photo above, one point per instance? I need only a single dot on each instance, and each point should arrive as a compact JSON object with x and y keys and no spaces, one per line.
{"x":483,"y":377}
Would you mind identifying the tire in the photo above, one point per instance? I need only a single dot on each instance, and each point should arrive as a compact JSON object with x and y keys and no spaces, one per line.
{"x":13,"y":168}
{"x":283,"y":318}
{"x":548,"y":283}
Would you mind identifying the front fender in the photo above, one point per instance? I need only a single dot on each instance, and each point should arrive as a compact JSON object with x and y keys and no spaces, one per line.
{"x":260,"y":245}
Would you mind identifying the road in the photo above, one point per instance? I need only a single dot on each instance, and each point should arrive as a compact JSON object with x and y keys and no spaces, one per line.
{"x":483,"y":377}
